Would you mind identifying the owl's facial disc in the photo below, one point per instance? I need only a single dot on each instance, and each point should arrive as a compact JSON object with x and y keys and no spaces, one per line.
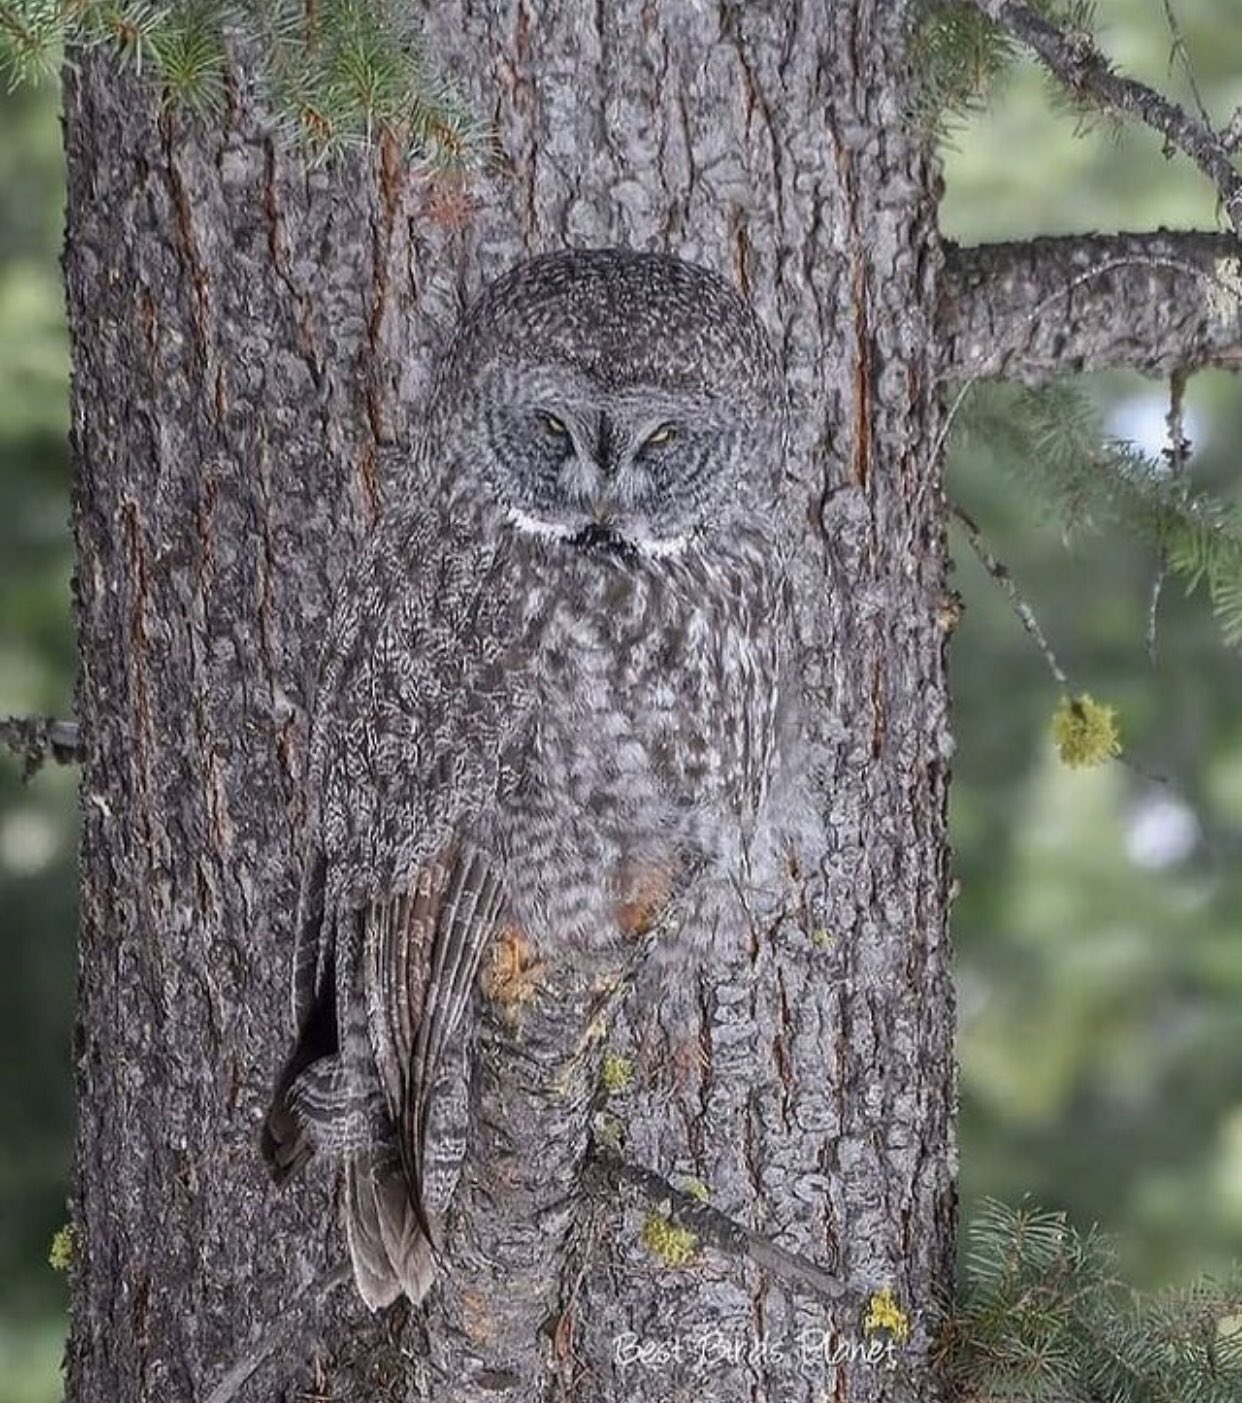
{"x":617,"y":473}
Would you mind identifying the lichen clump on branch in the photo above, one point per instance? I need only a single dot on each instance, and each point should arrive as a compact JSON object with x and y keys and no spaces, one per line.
{"x":1085,"y":732}
{"x":673,"y":1245}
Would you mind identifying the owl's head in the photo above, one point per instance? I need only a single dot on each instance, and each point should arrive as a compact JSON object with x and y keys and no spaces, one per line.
{"x":622,"y":403}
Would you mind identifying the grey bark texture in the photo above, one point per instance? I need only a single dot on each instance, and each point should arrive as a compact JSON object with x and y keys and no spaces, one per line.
{"x":250,"y":340}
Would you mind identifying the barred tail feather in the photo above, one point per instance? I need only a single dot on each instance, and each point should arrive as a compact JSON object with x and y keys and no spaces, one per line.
{"x":390,"y":1252}
{"x":284,"y":1143}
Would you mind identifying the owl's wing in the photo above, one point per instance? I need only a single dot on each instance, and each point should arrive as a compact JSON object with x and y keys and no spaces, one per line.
{"x":415,"y":705}
{"x":421,"y":955}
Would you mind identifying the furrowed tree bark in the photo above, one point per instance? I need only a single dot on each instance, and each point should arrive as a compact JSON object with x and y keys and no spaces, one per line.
{"x":246,"y":335}
{"x":1157,"y":302}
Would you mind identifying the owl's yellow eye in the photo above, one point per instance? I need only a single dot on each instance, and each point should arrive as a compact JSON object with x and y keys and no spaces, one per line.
{"x":554,"y":425}
{"x":666,"y":433}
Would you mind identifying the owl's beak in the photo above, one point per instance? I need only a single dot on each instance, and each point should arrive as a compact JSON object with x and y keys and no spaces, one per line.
{"x":603,"y":540}
{"x":606,"y":446}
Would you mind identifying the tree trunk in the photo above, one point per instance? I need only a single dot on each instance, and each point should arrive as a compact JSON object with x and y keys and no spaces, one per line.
{"x":246,"y":335}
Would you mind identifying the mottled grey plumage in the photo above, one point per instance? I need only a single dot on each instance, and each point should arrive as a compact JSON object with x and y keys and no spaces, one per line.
{"x":549,"y":703}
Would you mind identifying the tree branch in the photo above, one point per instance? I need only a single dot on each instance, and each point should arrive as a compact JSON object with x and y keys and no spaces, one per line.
{"x":1079,"y":64}
{"x":1151,"y":302}
{"x":715,"y":1228}
{"x":279,"y":1332}
{"x":40,"y":738}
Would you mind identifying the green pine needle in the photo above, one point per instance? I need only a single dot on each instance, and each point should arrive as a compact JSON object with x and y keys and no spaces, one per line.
{"x":339,"y":74}
{"x":962,"y":58}
{"x":1043,"y":1315}
{"x":1093,"y":482}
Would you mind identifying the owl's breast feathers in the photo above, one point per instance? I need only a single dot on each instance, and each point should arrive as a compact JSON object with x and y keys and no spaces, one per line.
{"x":507,"y":734}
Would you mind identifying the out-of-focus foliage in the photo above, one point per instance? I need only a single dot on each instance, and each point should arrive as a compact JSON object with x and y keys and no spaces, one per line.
{"x":1095,"y":482}
{"x":37,"y":821}
{"x":1099,"y":926}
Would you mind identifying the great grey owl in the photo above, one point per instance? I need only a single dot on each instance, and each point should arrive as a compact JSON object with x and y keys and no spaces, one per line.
{"x":549,"y":704}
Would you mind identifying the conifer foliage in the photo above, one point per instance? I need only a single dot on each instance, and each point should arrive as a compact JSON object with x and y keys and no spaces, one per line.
{"x":1042,"y":1315}
{"x":1053,"y":441}
{"x":338,"y":73}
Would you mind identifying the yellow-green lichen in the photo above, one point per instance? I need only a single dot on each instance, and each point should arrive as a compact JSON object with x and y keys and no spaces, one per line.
{"x":616,"y":1073}
{"x":662,"y":1237}
{"x":1085,"y":732}
{"x":608,"y":1129}
{"x":883,"y":1313}
{"x":696,"y":1188}
{"x":61,"y":1252}
{"x":821,"y":938}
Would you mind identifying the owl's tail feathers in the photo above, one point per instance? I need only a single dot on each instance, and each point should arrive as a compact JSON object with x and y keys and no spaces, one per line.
{"x":285,"y":1143}
{"x":390,"y":1251}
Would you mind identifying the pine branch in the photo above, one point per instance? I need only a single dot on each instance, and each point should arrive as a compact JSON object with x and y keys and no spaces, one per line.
{"x":1043,"y":1316}
{"x":959,"y":58}
{"x":1076,"y":61}
{"x":1153,"y":302}
{"x":338,"y":74}
{"x":1053,"y":437}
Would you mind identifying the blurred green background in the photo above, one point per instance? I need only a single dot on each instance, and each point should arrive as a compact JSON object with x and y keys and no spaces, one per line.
{"x":1099,"y":949}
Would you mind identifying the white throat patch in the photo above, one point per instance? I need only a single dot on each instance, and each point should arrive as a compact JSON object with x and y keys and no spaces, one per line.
{"x":656,"y":547}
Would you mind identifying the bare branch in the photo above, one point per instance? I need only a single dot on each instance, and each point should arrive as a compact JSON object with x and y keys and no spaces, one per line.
{"x":1177,"y":455}
{"x":40,"y":738}
{"x":1000,"y":573}
{"x":1153,"y":302}
{"x":1079,"y":64}
{"x":279,"y":1332}
{"x":716,"y":1229}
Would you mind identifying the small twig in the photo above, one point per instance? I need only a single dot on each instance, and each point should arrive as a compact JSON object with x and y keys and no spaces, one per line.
{"x":1020,"y":607}
{"x":1180,"y":52}
{"x":1177,"y":455}
{"x":277,"y":1332}
{"x":1029,"y":622}
{"x":37,"y":739}
{"x":1080,"y":65}
{"x":715,"y":1228}
{"x":1153,"y":605}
